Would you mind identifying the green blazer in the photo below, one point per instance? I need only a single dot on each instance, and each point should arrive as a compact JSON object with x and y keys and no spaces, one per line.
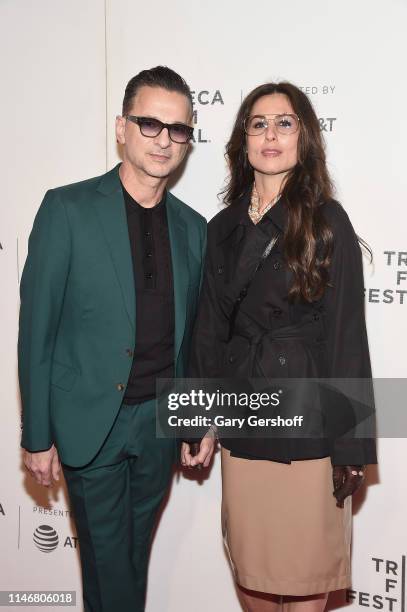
{"x":78,"y":312}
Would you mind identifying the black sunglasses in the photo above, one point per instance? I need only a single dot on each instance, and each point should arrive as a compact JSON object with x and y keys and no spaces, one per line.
{"x":150,"y":127}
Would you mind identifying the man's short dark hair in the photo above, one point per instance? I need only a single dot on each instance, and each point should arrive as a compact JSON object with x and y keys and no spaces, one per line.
{"x":160,"y":76}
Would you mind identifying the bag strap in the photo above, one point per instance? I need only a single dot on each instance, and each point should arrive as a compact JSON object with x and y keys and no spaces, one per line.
{"x":236,"y":306}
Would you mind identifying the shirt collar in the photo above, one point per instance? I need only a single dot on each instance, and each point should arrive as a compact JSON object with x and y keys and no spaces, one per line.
{"x":133,"y":207}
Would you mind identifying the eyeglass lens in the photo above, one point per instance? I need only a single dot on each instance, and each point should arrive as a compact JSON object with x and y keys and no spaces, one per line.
{"x":178,"y":132}
{"x":258,"y":124}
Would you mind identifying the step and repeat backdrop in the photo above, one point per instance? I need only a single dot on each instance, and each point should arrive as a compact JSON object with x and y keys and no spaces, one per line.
{"x":64,"y":67}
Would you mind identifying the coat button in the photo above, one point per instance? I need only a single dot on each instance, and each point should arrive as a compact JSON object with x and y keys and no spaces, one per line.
{"x":120,"y":386}
{"x":220,"y":269}
{"x":282,"y":360}
{"x":129,"y":352}
{"x":277,"y":312}
{"x":276,"y":265}
{"x":315,"y":316}
{"x":231,"y":359}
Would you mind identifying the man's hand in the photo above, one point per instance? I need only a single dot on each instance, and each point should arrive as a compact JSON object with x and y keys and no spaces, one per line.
{"x":206,"y":448}
{"x":44,"y":466}
{"x":347,"y":479}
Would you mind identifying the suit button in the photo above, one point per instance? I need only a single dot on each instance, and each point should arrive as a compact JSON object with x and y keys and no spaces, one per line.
{"x":282,"y":360}
{"x":276,"y":265}
{"x":120,"y":386}
{"x":129,"y":352}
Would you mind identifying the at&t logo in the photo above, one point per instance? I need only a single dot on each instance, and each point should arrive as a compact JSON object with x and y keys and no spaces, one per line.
{"x":45,"y":538}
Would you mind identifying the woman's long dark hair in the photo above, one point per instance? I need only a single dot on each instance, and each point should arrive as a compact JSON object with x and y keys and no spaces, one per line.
{"x":308,"y":239}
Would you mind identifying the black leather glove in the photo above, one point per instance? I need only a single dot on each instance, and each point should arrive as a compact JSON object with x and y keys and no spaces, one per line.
{"x":347,"y":479}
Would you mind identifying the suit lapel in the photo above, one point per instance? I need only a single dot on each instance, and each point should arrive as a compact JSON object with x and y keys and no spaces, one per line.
{"x":112,"y":216}
{"x":179,"y":254}
{"x":111,"y":212}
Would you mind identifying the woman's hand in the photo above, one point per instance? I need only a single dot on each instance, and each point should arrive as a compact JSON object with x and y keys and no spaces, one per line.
{"x":203,"y":456}
{"x":347,"y":479}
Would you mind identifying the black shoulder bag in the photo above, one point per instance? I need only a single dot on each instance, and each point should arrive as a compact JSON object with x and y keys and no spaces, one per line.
{"x":236,"y":306}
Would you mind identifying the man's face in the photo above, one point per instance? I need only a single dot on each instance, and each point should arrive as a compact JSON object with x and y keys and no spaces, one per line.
{"x":156,"y":157}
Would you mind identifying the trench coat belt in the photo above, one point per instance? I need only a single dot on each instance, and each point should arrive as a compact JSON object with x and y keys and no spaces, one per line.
{"x":307,"y":331}
{"x":265,"y":346}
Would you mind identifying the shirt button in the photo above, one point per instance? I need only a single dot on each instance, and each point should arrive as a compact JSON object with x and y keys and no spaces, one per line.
{"x":120,"y":386}
{"x":276,"y":265}
{"x":282,"y":360}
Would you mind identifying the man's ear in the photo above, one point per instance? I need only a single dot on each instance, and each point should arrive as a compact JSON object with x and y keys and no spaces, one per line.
{"x":120,"y":129}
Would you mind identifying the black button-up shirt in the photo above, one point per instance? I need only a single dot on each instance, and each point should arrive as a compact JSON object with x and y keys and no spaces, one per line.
{"x":153,"y":355}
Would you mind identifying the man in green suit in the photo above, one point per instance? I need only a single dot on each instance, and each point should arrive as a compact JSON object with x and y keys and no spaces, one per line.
{"x":108,"y":299}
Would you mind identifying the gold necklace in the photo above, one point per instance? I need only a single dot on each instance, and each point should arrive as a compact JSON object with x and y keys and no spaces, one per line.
{"x":254,"y":209}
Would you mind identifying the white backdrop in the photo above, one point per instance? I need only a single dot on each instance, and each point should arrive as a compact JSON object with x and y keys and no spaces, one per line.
{"x":64,"y":67}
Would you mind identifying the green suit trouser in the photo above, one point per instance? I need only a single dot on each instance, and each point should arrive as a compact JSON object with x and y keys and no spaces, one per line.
{"x":115,"y":500}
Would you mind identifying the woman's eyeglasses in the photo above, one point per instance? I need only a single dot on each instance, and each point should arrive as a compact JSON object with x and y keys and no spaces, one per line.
{"x":284,"y":124}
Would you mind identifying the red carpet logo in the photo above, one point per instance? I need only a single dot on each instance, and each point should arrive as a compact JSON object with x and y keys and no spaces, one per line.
{"x":392,"y":595}
{"x":45,"y":538}
{"x":396,"y":272}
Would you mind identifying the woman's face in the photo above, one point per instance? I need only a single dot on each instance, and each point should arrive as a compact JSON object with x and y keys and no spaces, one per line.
{"x":272,"y":152}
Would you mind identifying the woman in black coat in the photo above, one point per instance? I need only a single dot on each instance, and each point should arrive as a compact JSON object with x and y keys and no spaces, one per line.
{"x":283,"y":297}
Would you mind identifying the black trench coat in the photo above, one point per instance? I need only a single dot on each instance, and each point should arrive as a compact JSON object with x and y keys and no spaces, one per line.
{"x":278,"y":339}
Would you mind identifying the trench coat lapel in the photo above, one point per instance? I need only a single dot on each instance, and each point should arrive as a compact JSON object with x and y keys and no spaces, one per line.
{"x":238,"y":228}
{"x":179,"y":254}
{"x":111,"y":212}
{"x":238,"y":216}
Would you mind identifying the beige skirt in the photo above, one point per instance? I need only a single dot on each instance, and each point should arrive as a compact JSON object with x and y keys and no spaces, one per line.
{"x":282,"y":529}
